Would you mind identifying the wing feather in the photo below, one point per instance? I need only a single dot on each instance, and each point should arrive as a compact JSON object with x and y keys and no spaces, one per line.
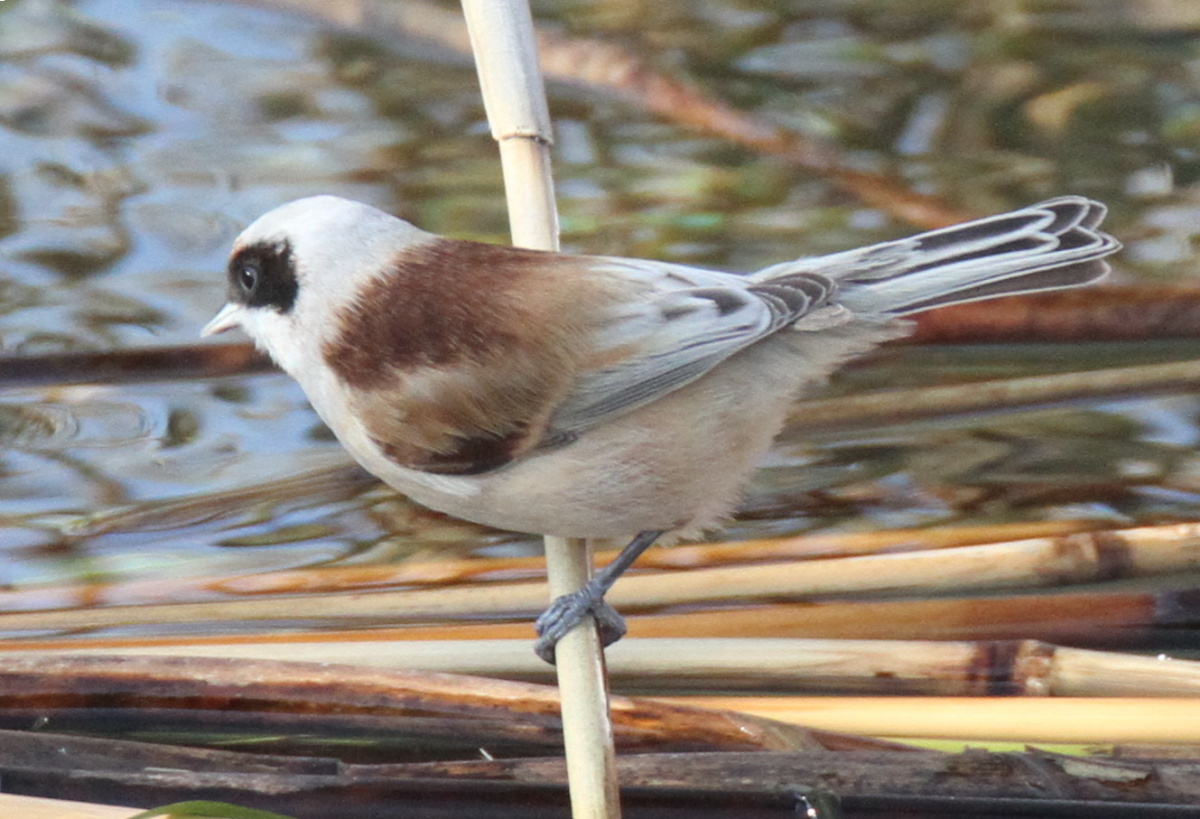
{"x":691,"y":321}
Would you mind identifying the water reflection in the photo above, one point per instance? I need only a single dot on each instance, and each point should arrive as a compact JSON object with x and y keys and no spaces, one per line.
{"x":140,"y":135}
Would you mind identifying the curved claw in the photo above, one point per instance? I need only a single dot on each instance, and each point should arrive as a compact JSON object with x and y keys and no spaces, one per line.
{"x":566,"y":612}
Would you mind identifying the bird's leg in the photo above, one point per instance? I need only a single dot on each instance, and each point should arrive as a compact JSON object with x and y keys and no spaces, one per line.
{"x":566,"y":611}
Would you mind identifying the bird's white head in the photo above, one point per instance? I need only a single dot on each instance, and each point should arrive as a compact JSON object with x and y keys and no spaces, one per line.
{"x":292,"y":270}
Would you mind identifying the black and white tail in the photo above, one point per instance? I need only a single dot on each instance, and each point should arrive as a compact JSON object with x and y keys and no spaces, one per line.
{"x":1048,"y":246}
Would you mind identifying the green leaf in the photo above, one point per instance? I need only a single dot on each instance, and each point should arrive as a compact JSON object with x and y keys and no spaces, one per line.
{"x":215,"y":810}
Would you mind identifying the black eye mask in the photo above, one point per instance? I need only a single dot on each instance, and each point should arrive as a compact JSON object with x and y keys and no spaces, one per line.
{"x":264,"y":275}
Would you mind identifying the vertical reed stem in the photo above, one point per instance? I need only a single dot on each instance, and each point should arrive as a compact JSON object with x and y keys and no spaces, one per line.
{"x":502,"y":39}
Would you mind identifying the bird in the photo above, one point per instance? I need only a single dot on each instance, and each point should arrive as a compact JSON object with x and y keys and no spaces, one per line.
{"x":595,"y":396}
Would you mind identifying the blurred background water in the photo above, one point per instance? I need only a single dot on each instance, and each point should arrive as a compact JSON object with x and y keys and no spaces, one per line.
{"x":139,"y":136}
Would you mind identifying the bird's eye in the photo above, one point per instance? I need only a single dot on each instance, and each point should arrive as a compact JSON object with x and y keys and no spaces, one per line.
{"x":262,"y":274}
{"x":248,"y":276}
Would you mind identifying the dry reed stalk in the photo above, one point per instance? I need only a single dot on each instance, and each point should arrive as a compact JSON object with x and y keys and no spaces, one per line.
{"x":1024,"y":667}
{"x":1099,"y":721}
{"x":443,"y":572}
{"x":506,"y":56}
{"x":132,"y":365}
{"x":1138,"y":312}
{"x":1085,"y":673}
{"x":183,"y":690}
{"x":845,"y":544}
{"x":1038,"y":562}
{"x":1105,"y":619}
{"x":35,"y":807}
{"x":1098,"y":619}
{"x":884,"y":407}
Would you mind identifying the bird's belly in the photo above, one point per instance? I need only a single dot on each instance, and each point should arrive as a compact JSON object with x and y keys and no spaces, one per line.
{"x":554,"y":493}
{"x":677,"y":464}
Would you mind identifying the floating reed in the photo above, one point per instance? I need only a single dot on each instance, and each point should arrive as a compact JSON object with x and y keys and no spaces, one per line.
{"x":1100,"y":721}
{"x":442,"y":571}
{"x":1088,"y":557}
{"x":1016,"y":667}
{"x":34,"y":807}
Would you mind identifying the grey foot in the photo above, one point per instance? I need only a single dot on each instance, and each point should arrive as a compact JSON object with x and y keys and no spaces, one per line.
{"x":566,"y":612}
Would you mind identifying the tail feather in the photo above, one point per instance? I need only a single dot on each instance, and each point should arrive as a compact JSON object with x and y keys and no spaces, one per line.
{"x":1048,"y":246}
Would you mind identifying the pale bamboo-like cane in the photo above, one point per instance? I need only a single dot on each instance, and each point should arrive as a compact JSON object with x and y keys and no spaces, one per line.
{"x":505,"y":48}
{"x":36,"y":807}
{"x":896,"y":406}
{"x":1028,"y":668}
{"x":1099,"y":720}
{"x":1086,"y":557}
{"x":442,"y":573}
